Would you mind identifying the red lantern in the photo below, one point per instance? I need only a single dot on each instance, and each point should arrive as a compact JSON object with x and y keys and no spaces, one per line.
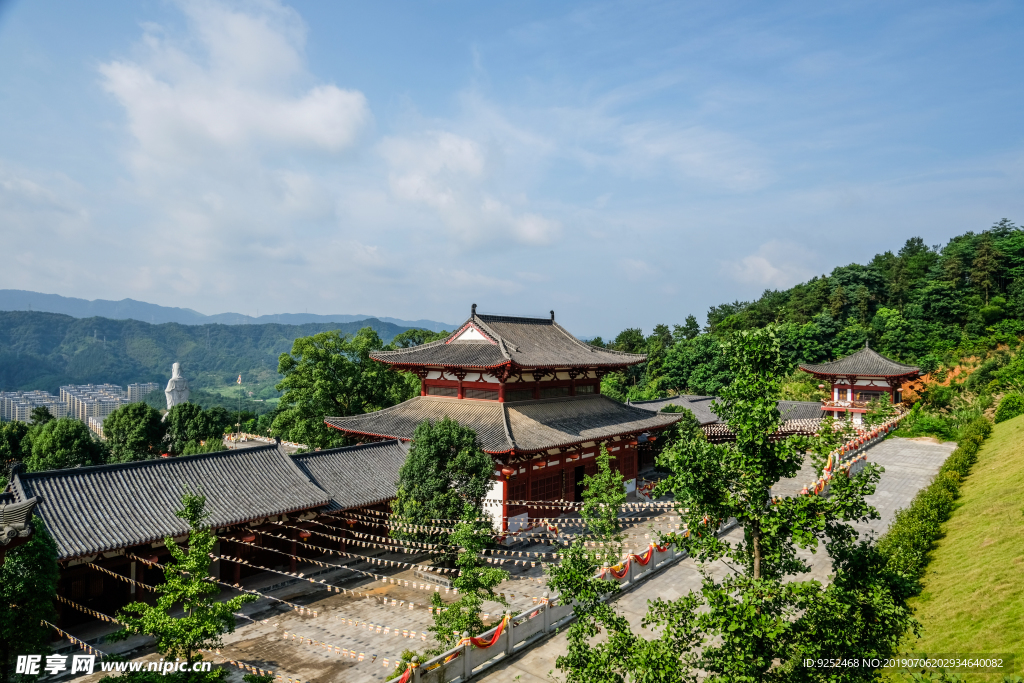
{"x":249,"y":538}
{"x":507,"y":472}
{"x":305,"y":534}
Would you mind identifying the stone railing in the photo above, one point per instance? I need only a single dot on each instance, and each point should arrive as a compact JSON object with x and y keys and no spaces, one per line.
{"x":515,"y":634}
{"x":849,"y":458}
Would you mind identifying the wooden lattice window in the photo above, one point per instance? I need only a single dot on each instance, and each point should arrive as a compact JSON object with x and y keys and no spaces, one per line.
{"x":548,"y":488}
{"x":442,"y":391}
{"x":519,"y":490}
{"x":519,"y":395}
{"x":554,"y":392}
{"x":486,"y":394}
{"x":582,"y":389}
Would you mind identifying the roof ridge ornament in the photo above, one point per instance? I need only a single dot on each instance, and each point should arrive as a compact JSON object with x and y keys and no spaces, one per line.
{"x":552,"y":316}
{"x":472,"y":312}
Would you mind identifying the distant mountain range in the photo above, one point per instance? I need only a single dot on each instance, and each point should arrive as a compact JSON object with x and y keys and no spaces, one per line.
{"x":45,"y":350}
{"x":129,"y":309}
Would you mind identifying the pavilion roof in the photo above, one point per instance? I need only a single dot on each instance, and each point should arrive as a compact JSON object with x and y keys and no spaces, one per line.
{"x":521,"y":426}
{"x":94,"y":509}
{"x":507,"y":340}
{"x":864,"y":363}
{"x":356,"y":476}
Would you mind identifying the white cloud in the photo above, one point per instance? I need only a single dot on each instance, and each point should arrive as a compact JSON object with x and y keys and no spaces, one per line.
{"x":450,"y":174}
{"x":228,"y":87}
{"x":774,"y":264}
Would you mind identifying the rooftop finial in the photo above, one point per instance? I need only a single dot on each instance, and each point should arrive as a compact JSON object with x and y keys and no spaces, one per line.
{"x":473,"y":312}
{"x":552,"y":316}
{"x":867,"y":344}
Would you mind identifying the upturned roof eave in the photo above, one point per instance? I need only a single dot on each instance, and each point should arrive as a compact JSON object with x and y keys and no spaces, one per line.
{"x":511,"y":363}
{"x":822,"y":373}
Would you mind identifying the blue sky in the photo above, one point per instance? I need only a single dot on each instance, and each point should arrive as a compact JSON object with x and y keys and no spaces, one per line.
{"x":622,"y":163}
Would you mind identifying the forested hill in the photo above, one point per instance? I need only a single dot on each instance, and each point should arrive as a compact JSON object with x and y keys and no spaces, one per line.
{"x":45,"y":350}
{"x":927,"y":305}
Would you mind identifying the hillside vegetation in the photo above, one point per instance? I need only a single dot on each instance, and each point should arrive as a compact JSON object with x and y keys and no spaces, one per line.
{"x":973,"y":588}
{"x":46,"y":350}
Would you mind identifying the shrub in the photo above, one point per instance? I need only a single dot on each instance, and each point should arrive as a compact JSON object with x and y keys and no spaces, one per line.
{"x":915,"y":528}
{"x":1010,"y":407}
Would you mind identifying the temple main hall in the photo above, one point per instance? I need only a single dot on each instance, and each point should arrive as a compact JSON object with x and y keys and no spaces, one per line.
{"x":532,"y":392}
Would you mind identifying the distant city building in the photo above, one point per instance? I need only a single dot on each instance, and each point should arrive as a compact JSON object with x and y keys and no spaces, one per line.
{"x":93,"y":400}
{"x":96,"y":425}
{"x":137,"y":392}
{"x":18,"y":405}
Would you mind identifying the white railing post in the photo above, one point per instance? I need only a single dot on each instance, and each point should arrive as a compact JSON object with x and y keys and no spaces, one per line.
{"x":545,"y":609}
{"x":467,"y":666}
{"x":416,"y":669}
{"x":510,"y":643}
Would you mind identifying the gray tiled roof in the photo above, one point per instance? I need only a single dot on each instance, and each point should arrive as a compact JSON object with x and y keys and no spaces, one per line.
{"x":523,"y":342}
{"x":522,"y":426}
{"x":399,"y":422}
{"x":94,"y":509}
{"x":800,"y":410}
{"x":700,"y":406}
{"x":356,"y":476}
{"x":537,"y":425}
{"x":864,"y":363}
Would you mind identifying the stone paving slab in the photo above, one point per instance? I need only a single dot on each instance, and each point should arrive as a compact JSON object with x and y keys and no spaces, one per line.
{"x":909,"y":466}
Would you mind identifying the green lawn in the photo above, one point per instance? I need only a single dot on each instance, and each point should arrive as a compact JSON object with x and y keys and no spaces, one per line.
{"x":973,"y":598}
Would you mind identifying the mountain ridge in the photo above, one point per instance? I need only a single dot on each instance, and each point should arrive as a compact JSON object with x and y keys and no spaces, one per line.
{"x":155,"y":314}
{"x":40,"y":350}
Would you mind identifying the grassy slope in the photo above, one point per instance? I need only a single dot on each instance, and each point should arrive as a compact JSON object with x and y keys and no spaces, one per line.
{"x":973,"y":598}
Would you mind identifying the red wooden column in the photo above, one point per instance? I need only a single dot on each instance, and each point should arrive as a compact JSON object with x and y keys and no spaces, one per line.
{"x":501,"y":392}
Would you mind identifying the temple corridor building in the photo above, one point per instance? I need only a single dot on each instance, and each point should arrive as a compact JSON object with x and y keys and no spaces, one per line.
{"x":532,"y":392}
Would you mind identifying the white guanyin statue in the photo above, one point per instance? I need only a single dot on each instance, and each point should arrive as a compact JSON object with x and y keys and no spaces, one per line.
{"x":177,"y":388}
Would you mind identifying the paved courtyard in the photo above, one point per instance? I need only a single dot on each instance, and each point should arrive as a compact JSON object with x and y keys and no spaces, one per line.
{"x":909,"y":466}
{"x":261,"y":639}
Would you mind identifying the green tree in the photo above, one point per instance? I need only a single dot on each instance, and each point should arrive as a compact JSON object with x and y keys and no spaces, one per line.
{"x":60,"y":444}
{"x":696,"y":366}
{"x":862,"y":300}
{"x":186,"y":588}
{"x":134,"y":432}
{"x":899,"y":282}
{"x":330,"y":374}
{"x":188,"y":425}
{"x":40,"y":415}
{"x":14,"y":447}
{"x":630,"y":341}
{"x":756,"y":622}
{"x":687,"y":331}
{"x":838,"y":301}
{"x":28,"y":586}
{"x":475,"y":582}
{"x":444,"y":472}
{"x":603,"y":495}
{"x":416,"y":337}
{"x":985,"y":266}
